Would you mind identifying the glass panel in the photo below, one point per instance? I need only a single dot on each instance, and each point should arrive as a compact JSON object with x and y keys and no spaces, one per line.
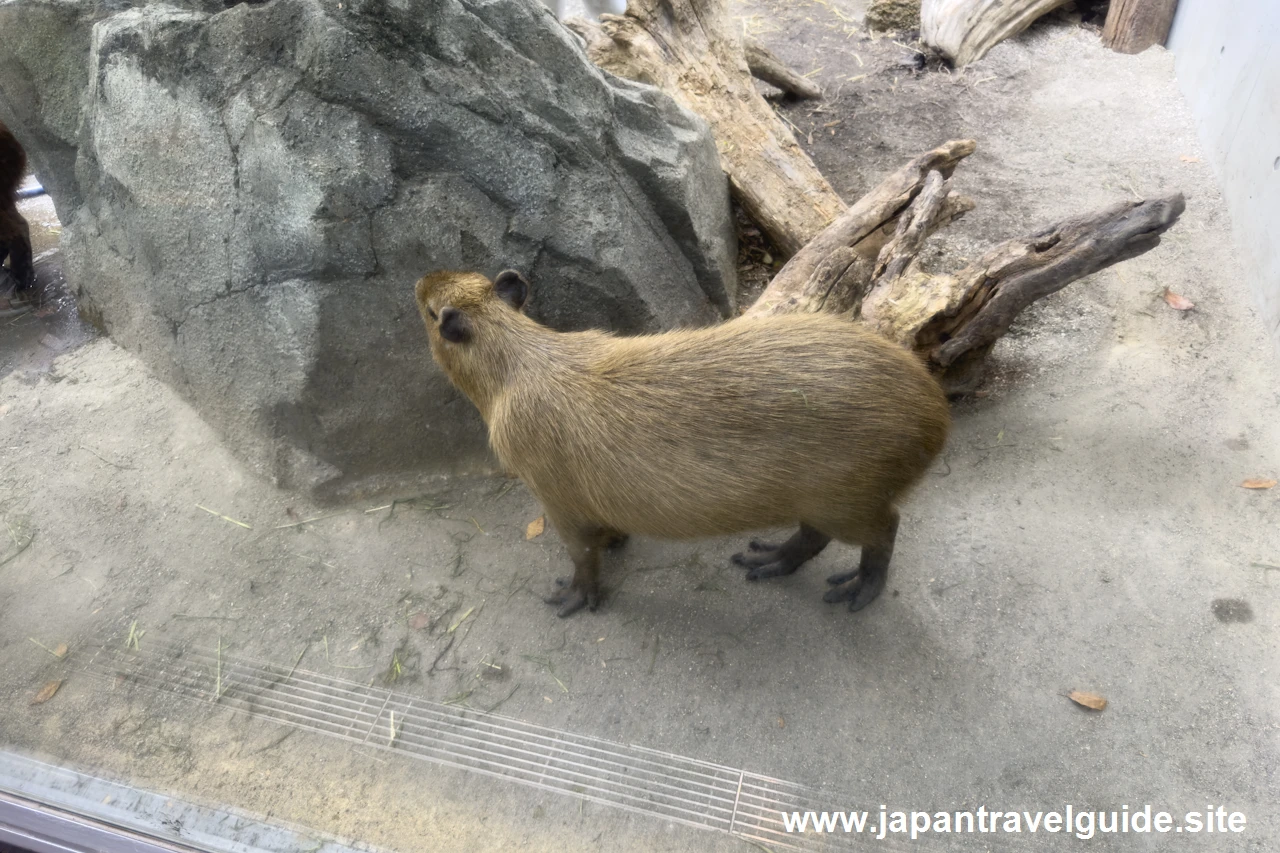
{"x":258,"y":562}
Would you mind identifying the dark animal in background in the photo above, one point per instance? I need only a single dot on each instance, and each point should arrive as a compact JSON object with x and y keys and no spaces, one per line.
{"x":754,"y":423}
{"x":15,"y":235}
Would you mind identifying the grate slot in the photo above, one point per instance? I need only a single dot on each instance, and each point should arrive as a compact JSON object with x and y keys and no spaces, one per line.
{"x":632,"y":778}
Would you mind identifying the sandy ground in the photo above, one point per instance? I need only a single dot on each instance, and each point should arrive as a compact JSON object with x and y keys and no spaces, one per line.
{"x":1086,"y":531}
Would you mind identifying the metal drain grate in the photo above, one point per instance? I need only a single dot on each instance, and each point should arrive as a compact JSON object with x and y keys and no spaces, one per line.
{"x":673,"y":787}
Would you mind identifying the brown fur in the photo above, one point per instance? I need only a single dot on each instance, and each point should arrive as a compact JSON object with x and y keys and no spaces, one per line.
{"x":15,"y":235}
{"x":753,"y":423}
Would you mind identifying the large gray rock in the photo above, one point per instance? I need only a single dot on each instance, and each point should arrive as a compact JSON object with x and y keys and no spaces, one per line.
{"x":248,"y":195}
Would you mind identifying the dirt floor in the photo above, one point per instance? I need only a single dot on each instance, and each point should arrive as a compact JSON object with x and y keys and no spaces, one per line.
{"x":1086,"y":531}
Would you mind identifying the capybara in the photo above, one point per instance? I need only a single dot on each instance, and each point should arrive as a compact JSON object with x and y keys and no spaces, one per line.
{"x":15,"y":236}
{"x":801,"y":419}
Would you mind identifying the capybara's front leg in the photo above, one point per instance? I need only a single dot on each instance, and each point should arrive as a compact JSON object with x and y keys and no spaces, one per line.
{"x":583,"y":589}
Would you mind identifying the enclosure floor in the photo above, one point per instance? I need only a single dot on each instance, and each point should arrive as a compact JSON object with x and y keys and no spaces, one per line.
{"x":1086,"y":531}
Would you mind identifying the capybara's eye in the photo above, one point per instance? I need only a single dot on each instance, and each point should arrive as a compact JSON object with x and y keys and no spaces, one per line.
{"x":432,"y":315}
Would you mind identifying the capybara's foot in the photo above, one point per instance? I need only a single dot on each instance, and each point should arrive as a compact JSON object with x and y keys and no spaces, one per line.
{"x":571,"y":599}
{"x":859,"y":588}
{"x":764,"y":560}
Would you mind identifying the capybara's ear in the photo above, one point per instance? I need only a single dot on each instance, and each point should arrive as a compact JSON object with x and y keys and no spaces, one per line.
{"x":422,"y":291}
{"x":511,"y":288}
{"x":455,"y":326}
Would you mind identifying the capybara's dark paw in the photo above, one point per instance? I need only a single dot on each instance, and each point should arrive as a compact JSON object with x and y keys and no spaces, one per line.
{"x":856,"y":588}
{"x":571,"y":599}
{"x":767,"y":561}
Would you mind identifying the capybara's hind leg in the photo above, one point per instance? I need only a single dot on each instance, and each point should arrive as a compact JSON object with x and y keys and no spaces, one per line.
{"x":770,"y":561}
{"x":861,"y":587}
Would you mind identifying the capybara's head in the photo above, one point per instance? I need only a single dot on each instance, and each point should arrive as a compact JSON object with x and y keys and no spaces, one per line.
{"x":469,"y":322}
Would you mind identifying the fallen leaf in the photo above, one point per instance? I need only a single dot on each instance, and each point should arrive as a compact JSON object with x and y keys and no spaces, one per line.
{"x":1088,"y":700}
{"x":535,"y":528}
{"x":1258,"y":484}
{"x":1177,"y":302}
{"x":1186,"y":158}
{"x":46,"y":692}
{"x":782,"y":724}
{"x":61,"y":650}
{"x":419,"y":620}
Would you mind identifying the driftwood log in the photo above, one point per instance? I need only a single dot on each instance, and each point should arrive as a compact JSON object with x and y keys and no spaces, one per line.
{"x":1135,"y":25}
{"x":832,"y":271}
{"x":693,"y":50}
{"x":763,"y":65}
{"x":860,"y":261}
{"x":952,"y":320}
{"x":864,"y":266}
{"x":964,"y":30}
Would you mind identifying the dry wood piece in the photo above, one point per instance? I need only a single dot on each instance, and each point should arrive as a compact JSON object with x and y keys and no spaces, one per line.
{"x":860,"y":261}
{"x":1134,"y":25}
{"x":953,"y":320}
{"x":964,"y":30}
{"x":763,"y":65}
{"x":828,"y":273}
{"x":692,"y":50}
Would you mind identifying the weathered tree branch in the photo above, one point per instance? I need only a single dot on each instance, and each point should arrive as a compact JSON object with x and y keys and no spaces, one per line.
{"x":1135,"y":25}
{"x":964,"y":30}
{"x":692,"y":50}
{"x":921,"y":219}
{"x":1018,"y":272}
{"x":952,"y":320}
{"x":765,"y":66}
{"x":852,"y":242}
{"x":861,"y":260}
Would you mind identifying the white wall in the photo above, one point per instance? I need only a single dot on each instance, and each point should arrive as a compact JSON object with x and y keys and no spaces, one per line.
{"x":1227,"y":56}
